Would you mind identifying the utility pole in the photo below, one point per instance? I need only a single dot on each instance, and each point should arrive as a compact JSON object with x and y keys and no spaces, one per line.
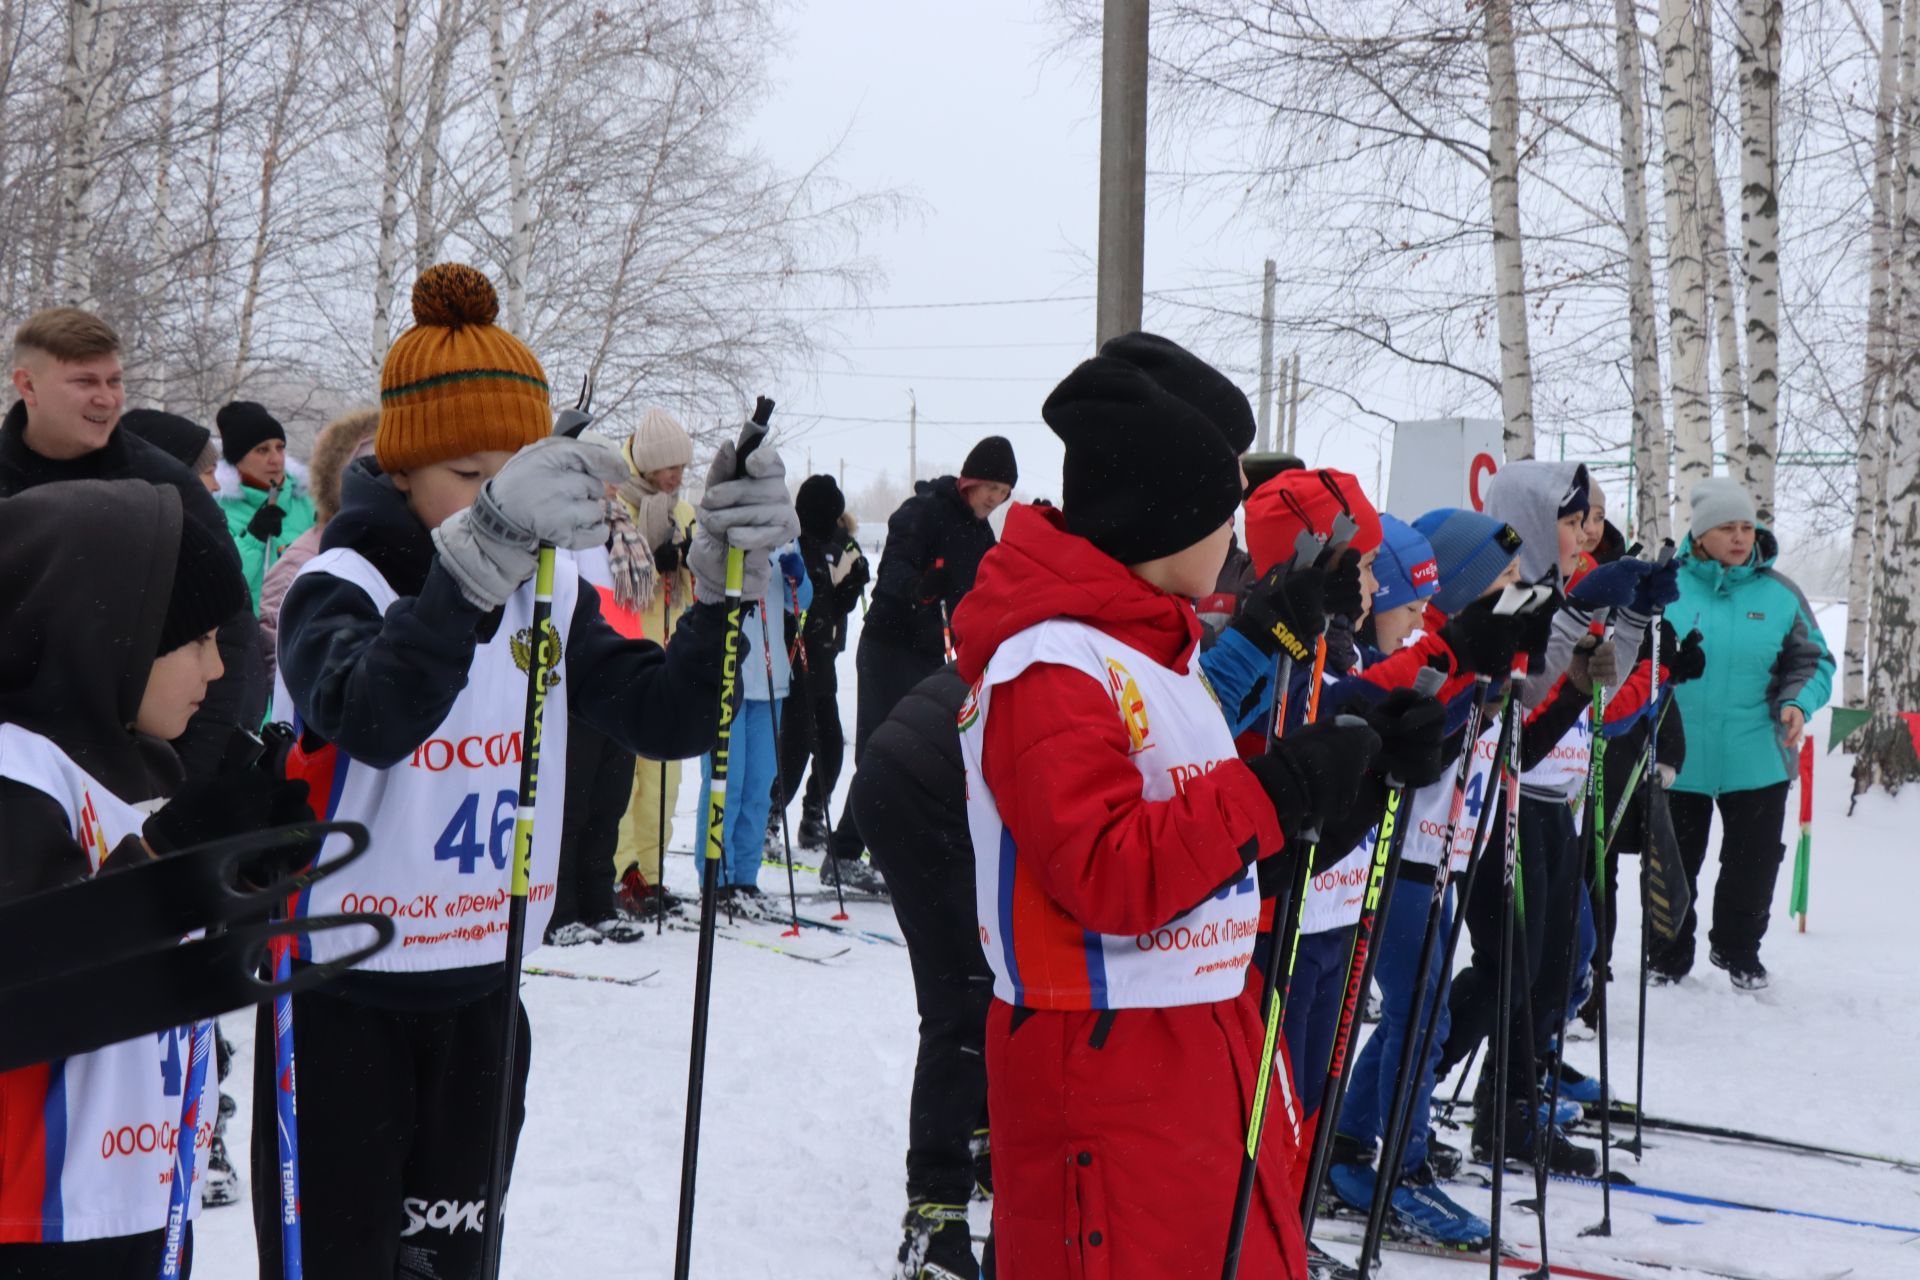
{"x":1266,"y":362}
{"x":1123,"y":167}
{"x":1293,"y":410}
{"x":913,"y":440}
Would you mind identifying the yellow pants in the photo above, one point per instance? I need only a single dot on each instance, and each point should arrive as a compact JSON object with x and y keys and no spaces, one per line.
{"x":641,"y":830}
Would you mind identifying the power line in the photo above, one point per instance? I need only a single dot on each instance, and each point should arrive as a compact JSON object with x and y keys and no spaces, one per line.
{"x":925,"y":422}
{"x":984,"y":302}
{"x":927,"y":377}
{"x":962,"y":346}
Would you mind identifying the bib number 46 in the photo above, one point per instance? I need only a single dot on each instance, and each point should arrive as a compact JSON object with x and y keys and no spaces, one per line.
{"x":461,"y":841}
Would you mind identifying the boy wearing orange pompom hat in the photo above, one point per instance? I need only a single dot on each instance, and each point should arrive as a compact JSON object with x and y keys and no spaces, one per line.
{"x":403,"y":652}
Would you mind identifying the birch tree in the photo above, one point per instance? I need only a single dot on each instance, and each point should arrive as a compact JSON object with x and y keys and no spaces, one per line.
{"x":1649,"y":440}
{"x":516,"y":136}
{"x":393,"y":160}
{"x":1509,"y":258}
{"x":1869,"y":471}
{"x":1716,"y":254}
{"x":1760,"y":23}
{"x":1886,"y":755}
{"x":1686,"y":275}
{"x":92,"y":33}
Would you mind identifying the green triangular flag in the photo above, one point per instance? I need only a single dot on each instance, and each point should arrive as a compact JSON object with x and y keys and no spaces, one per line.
{"x":1845,"y":720}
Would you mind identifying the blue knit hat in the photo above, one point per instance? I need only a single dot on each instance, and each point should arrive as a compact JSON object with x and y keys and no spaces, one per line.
{"x":1470,"y":549}
{"x":1404,"y":567}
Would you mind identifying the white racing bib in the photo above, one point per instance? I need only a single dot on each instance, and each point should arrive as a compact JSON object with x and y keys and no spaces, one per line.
{"x":1563,"y":772}
{"x":89,"y":1140}
{"x":441,"y":822}
{"x":1040,"y":957}
{"x":1430,"y":807}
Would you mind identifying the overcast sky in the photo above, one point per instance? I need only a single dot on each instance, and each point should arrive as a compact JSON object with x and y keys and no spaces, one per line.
{"x":972,"y":109}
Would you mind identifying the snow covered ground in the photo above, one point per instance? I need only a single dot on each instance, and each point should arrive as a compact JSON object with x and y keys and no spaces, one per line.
{"x":808,"y":1071}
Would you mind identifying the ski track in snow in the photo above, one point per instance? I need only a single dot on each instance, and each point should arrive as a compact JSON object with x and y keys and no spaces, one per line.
{"x":808,"y":1069}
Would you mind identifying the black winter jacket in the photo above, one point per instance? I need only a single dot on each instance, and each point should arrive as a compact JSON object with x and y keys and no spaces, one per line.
{"x":913,"y":761}
{"x":825,"y":633}
{"x":934,"y":547}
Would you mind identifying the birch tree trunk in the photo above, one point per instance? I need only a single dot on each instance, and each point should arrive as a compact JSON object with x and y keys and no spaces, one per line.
{"x":1886,"y":753}
{"x":1759,"y":44}
{"x":270,"y":163}
{"x":1869,"y":469}
{"x":428,"y":232}
{"x":393,"y":161}
{"x":92,"y":27}
{"x":1650,"y":456}
{"x":210,"y":274}
{"x":1686,"y":278}
{"x":1715,"y":253}
{"x":514,"y":139}
{"x":161,"y":266}
{"x":1509,"y":259}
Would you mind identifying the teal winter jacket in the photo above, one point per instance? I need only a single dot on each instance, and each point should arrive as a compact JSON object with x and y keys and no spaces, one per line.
{"x":1764,"y":652}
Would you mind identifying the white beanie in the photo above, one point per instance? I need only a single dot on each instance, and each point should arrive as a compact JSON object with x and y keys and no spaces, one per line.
{"x":1719,"y":500}
{"x":659,"y":441}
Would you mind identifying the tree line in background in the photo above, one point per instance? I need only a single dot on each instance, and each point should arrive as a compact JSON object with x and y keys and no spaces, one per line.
{"x":1677,"y":230}
{"x":247,"y":188}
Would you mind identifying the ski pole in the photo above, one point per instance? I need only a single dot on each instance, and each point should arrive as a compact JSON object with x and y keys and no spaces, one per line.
{"x":185,"y":1140}
{"x":750,"y":438}
{"x":543,"y":653}
{"x":1362,"y":960}
{"x":1603,"y":912}
{"x":660,"y":874}
{"x":1652,"y":778}
{"x":779,"y":777}
{"x":1503,"y":1010}
{"x":946,"y":630}
{"x":1394,"y":1134}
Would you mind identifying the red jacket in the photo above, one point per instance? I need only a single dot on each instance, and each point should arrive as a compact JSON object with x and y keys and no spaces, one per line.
{"x":1117,"y":1135}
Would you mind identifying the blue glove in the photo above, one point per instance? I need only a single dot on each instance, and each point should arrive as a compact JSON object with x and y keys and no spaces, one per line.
{"x":793,"y":567}
{"x":1658,"y":589}
{"x":1611,"y":586}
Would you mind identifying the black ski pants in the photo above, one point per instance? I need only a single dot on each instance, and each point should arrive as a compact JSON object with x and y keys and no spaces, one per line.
{"x":396,"y":1115}
{"x":887,"y":672}
{"x":929,"y":872}
{"x":599,"y":782}
{"x":1551,"y":876}
{"x":810,"y":730}
{"x":114,"y":1258}
{"x":1750,"y":855}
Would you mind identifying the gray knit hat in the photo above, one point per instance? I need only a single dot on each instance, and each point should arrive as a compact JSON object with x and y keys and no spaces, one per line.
{"x":658,"y":442}
{"x":1719,"y":500}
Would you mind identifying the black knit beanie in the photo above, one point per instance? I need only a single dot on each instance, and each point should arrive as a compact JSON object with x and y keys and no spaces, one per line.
{"x":243,"y":426}
{"x":179,"y":437}
{"x":992,"y":460}
{"x":1147,"y":472}
{"x":819,"y":504}
{"x":207,"y":586}
{"x":1181,"y":373}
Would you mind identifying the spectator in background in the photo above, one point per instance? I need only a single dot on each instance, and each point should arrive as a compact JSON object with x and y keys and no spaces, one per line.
{"x":810,"y":724}
{"x":347,"y":437}
{"x":1768,"y":671}
{"x":661,"y":523}
{"x":66,"y":371}
{"x":265,"y":501}
{"x":180,"y":438}
{"x":934,"y":544}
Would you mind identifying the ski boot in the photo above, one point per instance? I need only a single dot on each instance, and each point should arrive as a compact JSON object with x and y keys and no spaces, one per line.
{"x":1748,"y":974}
{"x":621,"y":927}
{"x":813,"y":831}
{"x":1350,"y":1174}
{"x":938,"y":1244}
{"x":219,"y":1184}
{"x":747,"y":902}
{"x":1578,"y":1086}
{"x":572,"y":935}
{"x":855,"y":875}
{"x":1422,"y":1211}
{"x":773,"y":847}
{"x":1445,"y":1161}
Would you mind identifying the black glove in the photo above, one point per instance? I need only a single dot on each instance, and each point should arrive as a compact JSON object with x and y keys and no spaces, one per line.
{"x":1688,"y":661}
{"x":1284,"y":612}
{"x":266,"y":523}
{"x":1316,"y":771}
{"x":1343,"y":587}
{"x":860,"y":574}
{"x":1483,"y":642}
{"x":933,"y":583}
{"x":1413,"y":734}
{"x":227,"y":804}
{"x":667,"y":558}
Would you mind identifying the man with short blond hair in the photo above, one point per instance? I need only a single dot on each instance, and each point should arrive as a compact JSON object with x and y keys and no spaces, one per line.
{"x":64,"y":426}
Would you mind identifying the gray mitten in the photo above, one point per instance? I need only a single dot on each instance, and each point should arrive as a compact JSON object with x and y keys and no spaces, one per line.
{"x":552,"y":492}
{"x":752,"y":513}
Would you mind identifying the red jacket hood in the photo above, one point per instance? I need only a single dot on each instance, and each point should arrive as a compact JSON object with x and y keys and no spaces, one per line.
{"x":1039,"y":571}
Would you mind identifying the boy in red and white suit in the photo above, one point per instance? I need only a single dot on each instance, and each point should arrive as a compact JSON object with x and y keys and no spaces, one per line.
{"x":1115,"y":833}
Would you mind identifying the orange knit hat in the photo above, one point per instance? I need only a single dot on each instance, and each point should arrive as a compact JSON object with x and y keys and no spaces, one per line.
{"x":456,"y":383}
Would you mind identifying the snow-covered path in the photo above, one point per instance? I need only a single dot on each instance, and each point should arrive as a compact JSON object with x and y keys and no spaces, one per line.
{"x":809,"y":1067}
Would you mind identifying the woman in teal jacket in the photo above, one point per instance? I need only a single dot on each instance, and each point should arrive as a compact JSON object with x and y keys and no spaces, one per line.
{"x":1770,"y":671}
